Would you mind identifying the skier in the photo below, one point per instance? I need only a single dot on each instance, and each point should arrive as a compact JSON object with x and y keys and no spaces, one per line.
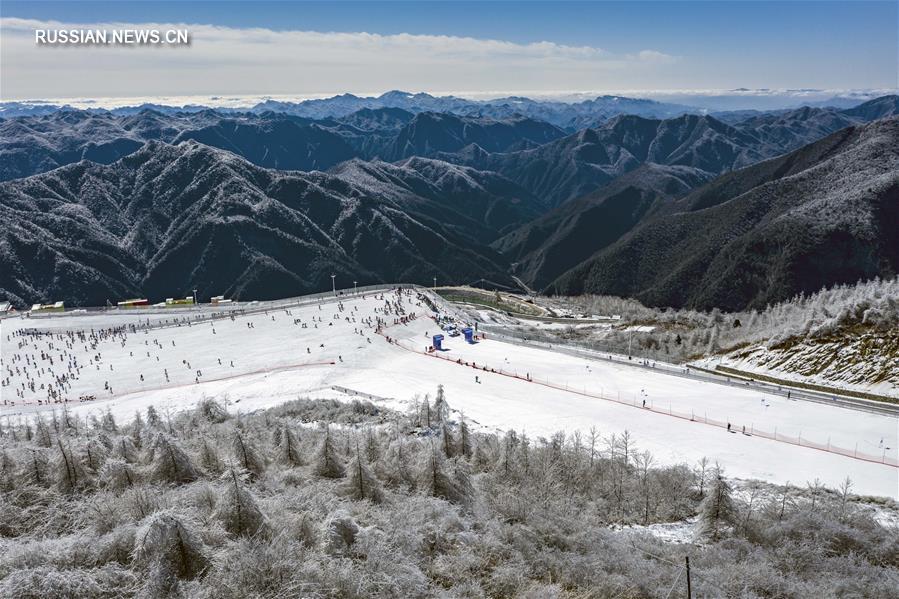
{"x":728,"y":427}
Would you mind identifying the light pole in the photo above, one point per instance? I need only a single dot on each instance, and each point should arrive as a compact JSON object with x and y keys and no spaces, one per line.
{"x":195,"y":297}
{"x":355,"y":291}
{"x":435,"y":282}
{"x":333,"y":286}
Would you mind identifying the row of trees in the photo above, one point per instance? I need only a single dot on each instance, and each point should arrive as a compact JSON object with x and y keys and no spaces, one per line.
{"x":681,"y":335}
{"x":370,"y":502}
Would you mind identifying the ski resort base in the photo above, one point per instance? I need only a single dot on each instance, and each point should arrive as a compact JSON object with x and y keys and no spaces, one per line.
{"x":376,"y":347}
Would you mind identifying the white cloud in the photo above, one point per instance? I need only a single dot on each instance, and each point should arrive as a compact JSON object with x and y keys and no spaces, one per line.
{"x":223,"y":60}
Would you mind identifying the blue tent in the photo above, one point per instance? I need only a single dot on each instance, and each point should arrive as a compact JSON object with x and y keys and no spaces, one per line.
{"x":438,"y":339}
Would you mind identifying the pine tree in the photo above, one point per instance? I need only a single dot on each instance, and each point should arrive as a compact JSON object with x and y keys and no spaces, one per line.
{"x":117,"y":474}
{"x":37,"y":470}
{"x":287,"y":448}
{"x":506,"y":467}
{"x":717,"y":511}
{"x":42,"y":432}
{"x":93,"y":454}
{"x":426,"y":414}
{"x":464,"y":438}
{"x":361,"y":482}
{"x":447,"y":443}
{"x":327,"y":462}
{"x":437,"y":482}
{"x":170,"y":463}
{"x":396,"y":467}
{"x":237,"y":509}
{"x":137,"y":429}
{"x":125,"y":449}
{"x":372,"y":447}
{"x":441,"y":408}
{"x":70,"y":473}
{"x":108,"y":423}
{"x":153,"y":419}
{"x":7,"y":470}
{"x":209,"y":457}
{"x":169,"y":542}
{"x":247,"y":455}
{"x":212,"y":411}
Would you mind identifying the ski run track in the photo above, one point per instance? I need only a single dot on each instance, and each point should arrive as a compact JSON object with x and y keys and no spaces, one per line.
{"x":342,"y":353}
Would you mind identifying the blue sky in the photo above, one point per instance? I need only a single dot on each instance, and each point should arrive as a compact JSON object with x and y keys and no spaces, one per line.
{"x":833,"y":44}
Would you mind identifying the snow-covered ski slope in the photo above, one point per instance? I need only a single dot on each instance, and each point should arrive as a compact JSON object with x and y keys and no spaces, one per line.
{"x":275,"y":358}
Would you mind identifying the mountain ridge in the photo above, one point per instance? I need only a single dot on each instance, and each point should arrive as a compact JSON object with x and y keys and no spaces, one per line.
{"x":166,"y":219}
{"x":821,"y":215}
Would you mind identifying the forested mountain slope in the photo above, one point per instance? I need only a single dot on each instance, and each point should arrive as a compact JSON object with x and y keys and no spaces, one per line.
{"x":168,"y":219}
{"x":822,"y":215}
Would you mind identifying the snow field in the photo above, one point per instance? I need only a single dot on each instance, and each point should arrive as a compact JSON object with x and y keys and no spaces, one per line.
{"x":272,"y":364}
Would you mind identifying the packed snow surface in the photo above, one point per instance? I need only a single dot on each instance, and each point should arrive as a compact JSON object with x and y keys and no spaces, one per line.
{"x":332,"y":349}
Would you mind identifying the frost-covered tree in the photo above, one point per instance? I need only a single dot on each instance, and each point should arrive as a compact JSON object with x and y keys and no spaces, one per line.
{"x":125,"y":449}
{"x":108,"y":423}
{"x":438,"y":481}
{"x":209,"y":457}
{"x":447,"y":441}
{"x":69,"y":470}
{"x":36,"y":469}
{"x":441,"y":408}
{"x":327,"y":463}
{"x":7,"y":472}
{"x":153,"y":419}
{"x":237,"y":509}
{"x":464,"y":439}
{"x":396,"y":466}
{"x":117,"y":474}
{"x":137,"y":429}
{"x":372,"y":446}
{"x":507,"y":464}
{"x":339,"y":533}
{"x":93,"y":454}
{"x":361,"y":483}
{"x":287,"y":448}
{"x":170,"y":463}
{"x":212,"y":411}
{"x":717,"y":511}
{"x":247,"y":455}
{"x":42,"y":434}
{"x":426,"y":413}
{"x":170,"y":543}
